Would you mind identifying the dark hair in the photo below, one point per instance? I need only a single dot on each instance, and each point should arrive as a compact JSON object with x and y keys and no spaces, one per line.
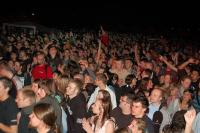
{"x":106,"y":105}
{"x":46,"y":113}
{"x":143,"y":100}
{"x":130,"y":97}
{"x":106,"y":96}
{"x":7,"y":83}
{"x":129,"y":78}
{"x":178,"y":123}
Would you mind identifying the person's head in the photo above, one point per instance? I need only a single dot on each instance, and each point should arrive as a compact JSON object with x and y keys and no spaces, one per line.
{"x":103,"y":94}
{"x":187,"y":96}
{"x":53,"y":50}
{"x":62,"y":84}
{"x":115,"y":78}
{"x":186,"y":82}
{"x":74,"y":87}
{"x":167,"y":79}
{"x":51,"y":85}
{"x":43,"y":89}
{"x":5,"y":69}
{"x":156,"y":95}
{"x":123,"y":130}
{"x":174,"y":90}
{"x":83,"y":63}
{"x":131,"y":80}
{"x":13,"y":55}
{"x":101,"y":108}
{"x":177,"y":124}
{"x":34,"y":85}
{"x":119,"y":64}
{"x":25,"y":97}
{"x":140,"y":107}
{"x":194,"y":75}
{"x":146,"y":73}
{"x":5,"y":86}
{"x":138,"y":125}
{"x":23,"y":55}
{"x":128,"y":64}
{"x":40,"y":58}
{"x":43,"y":117}
{"x":88,"y":78}
{"x":126,"y":101}
{"x":100,"y":79}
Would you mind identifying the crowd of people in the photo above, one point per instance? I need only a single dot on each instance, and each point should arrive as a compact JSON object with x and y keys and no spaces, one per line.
{"x":98,"y":82}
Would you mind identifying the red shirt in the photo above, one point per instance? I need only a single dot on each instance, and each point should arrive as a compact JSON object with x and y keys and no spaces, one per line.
{"x":42,"y":72}
{"x":105,"y":39}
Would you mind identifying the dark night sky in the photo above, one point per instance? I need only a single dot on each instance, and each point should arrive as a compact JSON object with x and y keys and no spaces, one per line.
{"x":116,"y":14}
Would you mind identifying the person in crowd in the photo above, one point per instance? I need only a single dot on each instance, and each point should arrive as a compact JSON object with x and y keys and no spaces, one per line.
{"x":25,"y":100}
{"x":101,"y":122}
{"x":43,"y":118}
{"x":185,"y":84}
{"x":75,"y":106}
{"x":182,"y":103}
{"x":156,"y":105}
{"x":6,"y":71}
{"x":120,"y":71}
{"x":177,"y":124}
{"x":53,"y":57}
{"x":138,"y":125}
{"x":101,"y":82}
{"x":21,"y":71}
{"x":41,"y":70}
{"x":8,"y":108}
{"x":139,"y":110}
{"x":44,"y":95}
{"x":122,"y":114}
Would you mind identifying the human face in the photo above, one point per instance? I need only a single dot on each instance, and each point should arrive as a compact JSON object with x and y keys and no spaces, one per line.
{"x":194,"y":75}
{"x":134,"y":127}
{"x":123,"y":102}
{"x":17,"y":66}
{"x":128,"y":64}
{"x":34,"y":120}
{"x":52,"y":51}
{"x":119,"y":65}
{"x":3,"y":91}
{"x":155,"y":96}
{"x":21,"y":100}
{"x":71,"y":89}
{"x":187,"y":96}
{"x":40,"y":93}
{"x":34,"y":87}
{"x":186,"y":83}
{"x":167,"y":79}
{"x":40,"y":59}
{"x":100,"y":95}
{"x":96,"y":107}
{"x":137,"y":110}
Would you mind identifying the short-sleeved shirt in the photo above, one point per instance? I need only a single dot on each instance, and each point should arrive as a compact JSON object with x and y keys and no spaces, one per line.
{"x":8,"y":112}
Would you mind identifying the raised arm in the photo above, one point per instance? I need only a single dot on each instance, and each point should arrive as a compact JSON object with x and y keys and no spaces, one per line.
{"x":137,"y":57}
{"x":190,"y":60}
{"x":168,"y":64}
{"x":189,"y":118}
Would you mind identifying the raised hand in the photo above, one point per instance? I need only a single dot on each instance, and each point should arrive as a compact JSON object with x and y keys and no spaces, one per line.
{"x":190,"y":116}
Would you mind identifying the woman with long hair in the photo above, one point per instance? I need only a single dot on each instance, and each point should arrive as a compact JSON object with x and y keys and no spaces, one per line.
{"x":100,"y":122}
{"x":43,"y":118}
{"x":183,"y":103}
